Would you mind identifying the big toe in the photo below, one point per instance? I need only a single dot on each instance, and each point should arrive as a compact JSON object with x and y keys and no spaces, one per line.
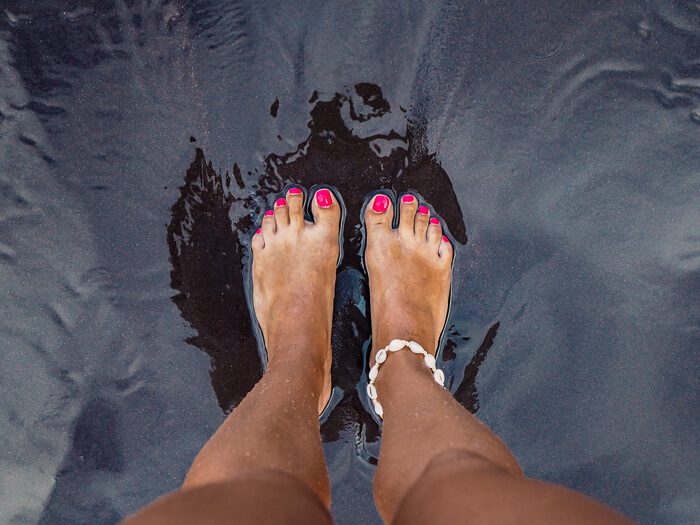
{"x":326,"y":209}
{"x":379,"y":215}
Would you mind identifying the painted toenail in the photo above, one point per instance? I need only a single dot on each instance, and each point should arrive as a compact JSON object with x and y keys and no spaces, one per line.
{"x":407,"y":199}
{"x":381,"y":203}
{"x":324,"y":199}
{"x":434,"y":221}
{"x":258,"y":231}
{"x":280,"y":202}
{"x":423,"y":210}
{"x":445,"y":239}
{"x":269,"y":212}
{"x":294,"y":191}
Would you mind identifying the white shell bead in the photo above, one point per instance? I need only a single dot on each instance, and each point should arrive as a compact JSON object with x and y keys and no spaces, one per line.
{"x":381,"y":356}
{"x":372,"y":392}
{"x":416,"y":348}
{"x":396,"y":345}
{"x":378,"y":408}
{"x":439,"y":376}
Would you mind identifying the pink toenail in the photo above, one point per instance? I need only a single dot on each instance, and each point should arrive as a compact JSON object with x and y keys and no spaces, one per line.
{"x":280,"y":202}
{"x":381,"y":203}
{"x":434,"y":221}
{"x":269,"y":212}
{"x":423,"y":210}
{"x":407,"y":198}
{"x":445,"y":239}
{"x":324,"y":199}
{"x":294,"y":191}
{"x":258,"y":231}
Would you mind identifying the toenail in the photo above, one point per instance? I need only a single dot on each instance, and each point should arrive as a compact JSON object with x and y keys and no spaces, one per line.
{"x":294,"y":191}
{"x":269,"y":212}
{"x":258,"y":231}
{"x":434,"y":221}
{"x":407,"y":198}
{"x":324,"y":199}
{"x":280,"y":202}
{"x":381,"y":203}
{"x":423,"y":210}
{"x":445,"y":239}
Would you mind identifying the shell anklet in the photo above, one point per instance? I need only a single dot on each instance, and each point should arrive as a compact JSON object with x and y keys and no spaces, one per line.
{"x":395,"y":346}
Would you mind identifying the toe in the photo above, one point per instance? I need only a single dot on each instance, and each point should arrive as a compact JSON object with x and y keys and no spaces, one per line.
{"x":325,"y":208}
{"x":295,"y":206}
{"x":446,"y":251}
{"x":421,"y":224}
{"x":269,"y":225}
{"x":379,"y":213}
{"x":434,"y":234}
{"x":258,"y":242}
{"x":281,"y":213}
{"x":407,"y":218}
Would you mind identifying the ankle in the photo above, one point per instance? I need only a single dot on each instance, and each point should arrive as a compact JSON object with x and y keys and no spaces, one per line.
{"x":400,"y":368}
{"x":424,"y":336}
{"x":310,"y":356}
{"x":305,"y":344}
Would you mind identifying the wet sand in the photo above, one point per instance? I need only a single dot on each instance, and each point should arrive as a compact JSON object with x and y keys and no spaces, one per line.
{"x":141,"y":142}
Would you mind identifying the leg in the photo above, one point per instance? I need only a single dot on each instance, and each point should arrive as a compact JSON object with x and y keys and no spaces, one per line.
{"x":438,"y":463}
{"x":267,"y":455}
{"x":256,"y":497}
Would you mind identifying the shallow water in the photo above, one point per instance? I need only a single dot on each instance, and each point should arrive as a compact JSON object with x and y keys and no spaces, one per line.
{"x":560,"y":144}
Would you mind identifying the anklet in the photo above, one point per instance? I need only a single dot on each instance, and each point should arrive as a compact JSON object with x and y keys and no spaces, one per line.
{"x":395,"y":346}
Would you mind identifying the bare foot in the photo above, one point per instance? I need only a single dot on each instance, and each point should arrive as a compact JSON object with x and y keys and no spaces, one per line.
{"x":410,"y":270}
{"x":294,"y":267}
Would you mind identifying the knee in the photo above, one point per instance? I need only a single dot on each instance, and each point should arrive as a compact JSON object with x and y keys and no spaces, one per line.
{"x":448,"y":490}
{"x":464,"y":461}
{"x":463,"y":487}
{"x":256,"y":497}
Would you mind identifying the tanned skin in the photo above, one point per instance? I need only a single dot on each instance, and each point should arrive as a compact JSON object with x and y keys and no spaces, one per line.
{"x":438,"y":464}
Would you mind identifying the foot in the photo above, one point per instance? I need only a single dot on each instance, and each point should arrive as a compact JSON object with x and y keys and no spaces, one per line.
{"x":294,"y":267}
{"x":410,"y":271}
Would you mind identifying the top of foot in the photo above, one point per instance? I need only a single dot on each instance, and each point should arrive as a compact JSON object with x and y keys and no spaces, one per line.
{"x":294,"y":269}
{"x":410,"y":272}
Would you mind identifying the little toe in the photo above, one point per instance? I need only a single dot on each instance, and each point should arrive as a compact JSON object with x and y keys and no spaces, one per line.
{"x":407,"y":218}
{"x":269,"y":225}
{"x":281,"y":213}
{"x":434,"y":233}
{"x":258,"y":242}
{"x":295,"y":206}
{"x":446,"y":251}
{"x":325,"y":209}
{"x":421,"y":222}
